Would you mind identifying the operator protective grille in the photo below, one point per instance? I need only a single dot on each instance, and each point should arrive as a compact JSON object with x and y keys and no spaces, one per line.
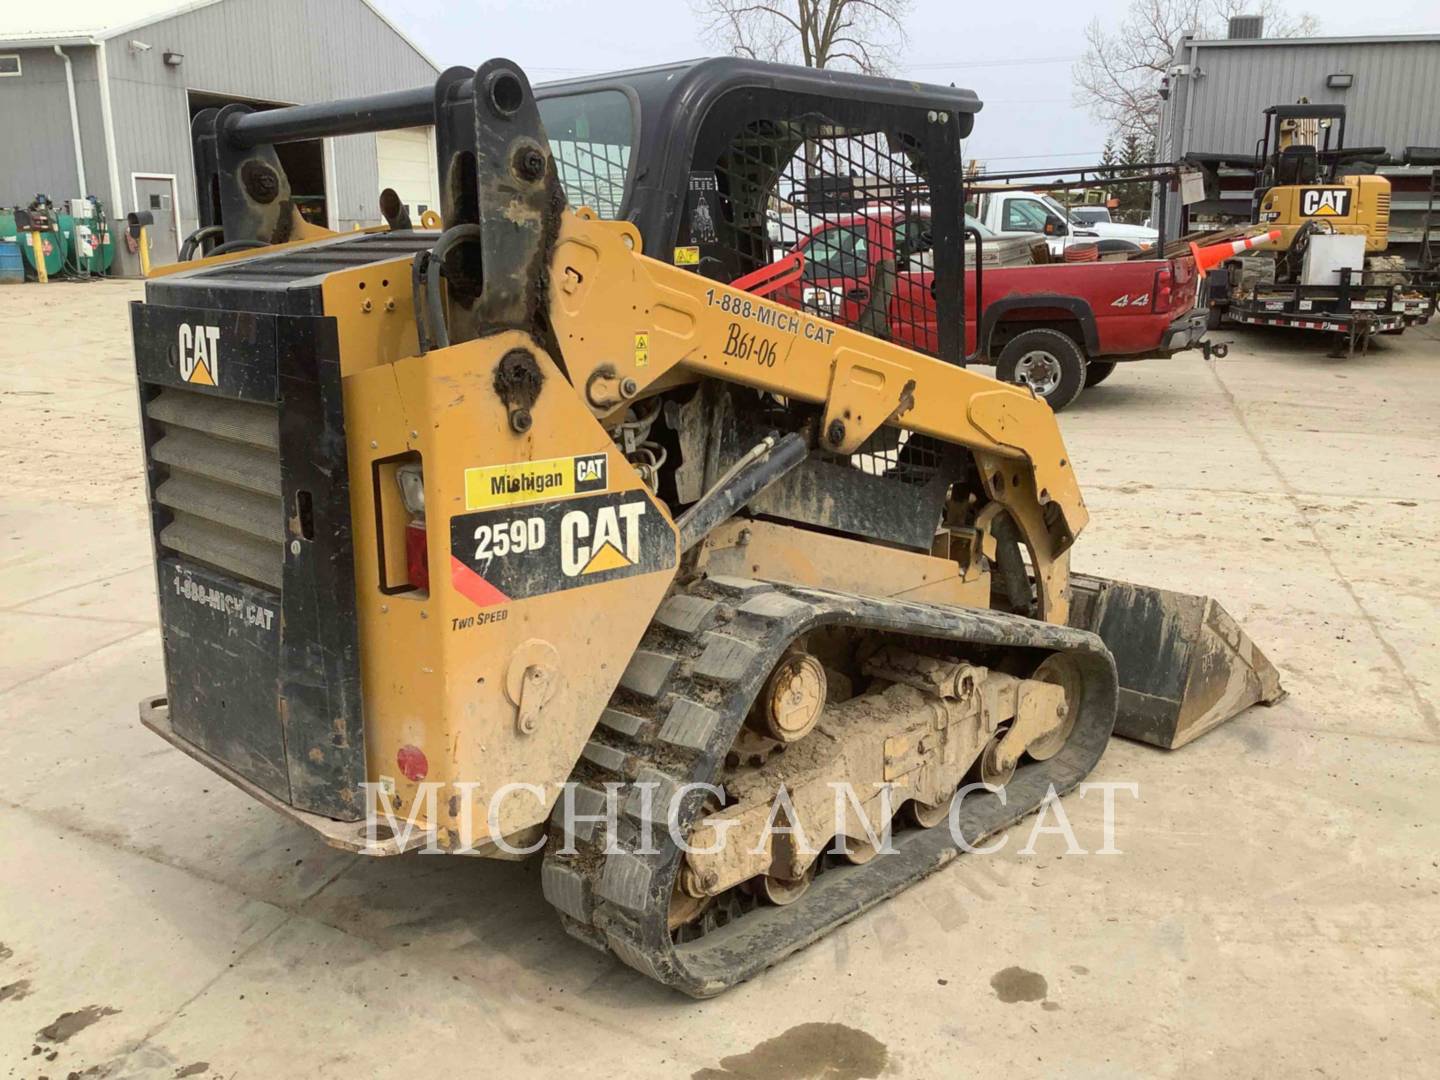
{"x":853,"y":202}
{"x":219,"y":478}
{"x":898,"y":454}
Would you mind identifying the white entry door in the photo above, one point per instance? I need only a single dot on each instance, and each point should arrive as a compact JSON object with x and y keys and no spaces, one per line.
{"x":156,"y":193}
{"x":406,"y":161}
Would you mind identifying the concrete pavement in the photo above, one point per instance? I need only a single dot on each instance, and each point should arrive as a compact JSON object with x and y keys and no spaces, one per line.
{"x":1274,"y":911}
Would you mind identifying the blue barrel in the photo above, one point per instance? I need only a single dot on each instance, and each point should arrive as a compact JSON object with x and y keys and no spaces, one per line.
{"x":12,"y":265}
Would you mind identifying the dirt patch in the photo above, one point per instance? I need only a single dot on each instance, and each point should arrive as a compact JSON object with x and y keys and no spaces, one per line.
{"x":828,"y":1051}
{"x":15,"y":991}
{"x":1256,"y":740}
{"x":67,"y":1024}
{"x":193,"y":1069}
{"x":1016,"y":984}
{"x":5,"y":952}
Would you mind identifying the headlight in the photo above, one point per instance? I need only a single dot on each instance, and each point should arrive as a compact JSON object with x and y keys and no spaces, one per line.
{"x":411,"y":479}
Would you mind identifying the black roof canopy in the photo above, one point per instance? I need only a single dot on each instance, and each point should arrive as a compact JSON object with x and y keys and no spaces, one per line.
{"x":1307,"y":112}
{"x":680,"y":110}
{"x":669,"y":91}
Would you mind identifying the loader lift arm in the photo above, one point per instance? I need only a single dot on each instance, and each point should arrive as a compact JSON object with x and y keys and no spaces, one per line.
{"x":700,"y":328}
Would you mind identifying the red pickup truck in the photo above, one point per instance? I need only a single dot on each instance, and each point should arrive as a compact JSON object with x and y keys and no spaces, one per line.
{"x":1059,"y":327}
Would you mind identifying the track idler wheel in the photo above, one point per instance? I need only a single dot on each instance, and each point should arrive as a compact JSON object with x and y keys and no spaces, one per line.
{"x":793,"y":699}
{"x":858,"y":852}
{"x":928,"y":815}
{"x":780,"y":891}
{"x":1058,"y":670}
{"x":990,"y":769}
{"x":685,"y":905}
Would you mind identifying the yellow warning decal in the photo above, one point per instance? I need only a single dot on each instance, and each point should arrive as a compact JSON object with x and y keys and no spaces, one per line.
{"x":642,"y":349}
{"x":687,"y":256}
{"x":488,"y":486}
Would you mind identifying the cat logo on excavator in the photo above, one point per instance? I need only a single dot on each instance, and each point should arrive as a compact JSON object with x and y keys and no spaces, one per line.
{"x":1325,"y":202}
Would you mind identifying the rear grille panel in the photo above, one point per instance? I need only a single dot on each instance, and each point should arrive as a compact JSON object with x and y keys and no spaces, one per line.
{"x":217,"y":471}
{"x":257,"y":605}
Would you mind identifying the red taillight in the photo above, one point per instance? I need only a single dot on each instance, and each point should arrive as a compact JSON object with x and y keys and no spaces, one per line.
{"x":417,"y":562}
{"x":1164,"y":289}
{"x":412,"y":763}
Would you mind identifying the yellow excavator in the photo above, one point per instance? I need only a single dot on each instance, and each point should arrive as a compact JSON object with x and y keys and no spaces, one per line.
{"x":1323,"y":265}
{"x":509,"y":537}
{"x":1301,"y":184}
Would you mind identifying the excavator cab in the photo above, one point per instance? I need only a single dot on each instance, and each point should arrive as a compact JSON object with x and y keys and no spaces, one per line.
{"x":1297,"y":139}
{"x":1302,"y":187}
{"x":534,"y":533}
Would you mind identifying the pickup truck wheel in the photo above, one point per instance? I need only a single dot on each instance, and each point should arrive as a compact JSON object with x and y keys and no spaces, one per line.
{"x":1097,"y":371}
{"x":1047,"y":361}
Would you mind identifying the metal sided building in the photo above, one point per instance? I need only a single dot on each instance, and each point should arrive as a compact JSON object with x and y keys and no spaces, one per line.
{"x":1214,"y":94}
{"x":96,"y":98}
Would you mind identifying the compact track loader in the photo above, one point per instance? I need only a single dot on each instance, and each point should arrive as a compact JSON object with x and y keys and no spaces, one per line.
{"x":486,"y":528}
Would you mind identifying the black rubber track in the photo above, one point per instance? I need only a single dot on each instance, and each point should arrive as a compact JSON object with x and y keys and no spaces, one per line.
{"x":675,"y":716}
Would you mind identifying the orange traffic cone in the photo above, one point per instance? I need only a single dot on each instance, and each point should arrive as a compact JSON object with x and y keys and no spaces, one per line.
{"x":1207,"y":258}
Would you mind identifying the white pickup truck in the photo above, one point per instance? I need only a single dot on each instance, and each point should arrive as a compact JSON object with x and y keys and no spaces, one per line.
{"x":1008,"y":211}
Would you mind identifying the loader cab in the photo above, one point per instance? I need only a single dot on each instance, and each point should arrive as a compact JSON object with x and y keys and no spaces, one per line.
{"x":725,"y":165}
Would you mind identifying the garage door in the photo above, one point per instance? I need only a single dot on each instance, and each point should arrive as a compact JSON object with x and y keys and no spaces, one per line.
{"x":406,"y":162}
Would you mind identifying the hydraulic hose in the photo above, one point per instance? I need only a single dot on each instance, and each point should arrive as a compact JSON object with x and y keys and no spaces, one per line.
{"x":434,"y":303}
{"x":764,"y":464}
{"x":196,"y":240}
{"x":236,"y":245}
{"x":418,"y":267}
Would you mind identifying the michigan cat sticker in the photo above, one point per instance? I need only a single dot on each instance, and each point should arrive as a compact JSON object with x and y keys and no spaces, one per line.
{"x":516,"y":553}
{"x":535,"y":481}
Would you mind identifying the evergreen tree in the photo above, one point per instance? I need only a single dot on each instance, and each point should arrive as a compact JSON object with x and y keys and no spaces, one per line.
{"x":1134,"y":197}
{"x":1132,"y":151}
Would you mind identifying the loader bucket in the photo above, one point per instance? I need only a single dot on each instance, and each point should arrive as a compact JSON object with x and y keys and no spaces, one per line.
{"x":1184,"y":664}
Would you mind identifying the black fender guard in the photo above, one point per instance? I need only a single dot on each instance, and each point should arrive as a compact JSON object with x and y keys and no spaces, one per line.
{"x":1077,"y":307}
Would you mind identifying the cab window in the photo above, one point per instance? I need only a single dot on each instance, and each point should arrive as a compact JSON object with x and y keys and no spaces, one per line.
{"x":842,"y":251}
{"x":1024,"y":215}
{"x":913,"y":246}
{"x":591,"y":135}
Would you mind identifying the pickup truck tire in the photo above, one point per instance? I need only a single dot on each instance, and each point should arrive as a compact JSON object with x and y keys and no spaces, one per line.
{"x":1050,"y":362}
{"x":1097,"y":371}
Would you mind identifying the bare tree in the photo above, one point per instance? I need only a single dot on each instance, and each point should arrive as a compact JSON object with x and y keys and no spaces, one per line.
{"x":860,"y":34}
{"x":1118,"y":78}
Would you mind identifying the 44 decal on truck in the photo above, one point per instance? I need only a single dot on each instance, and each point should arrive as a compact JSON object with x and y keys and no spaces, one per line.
{"x":521,"y":552}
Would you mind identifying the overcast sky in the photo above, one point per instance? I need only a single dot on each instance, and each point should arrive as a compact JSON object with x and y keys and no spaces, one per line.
{"x":1016,"y":56}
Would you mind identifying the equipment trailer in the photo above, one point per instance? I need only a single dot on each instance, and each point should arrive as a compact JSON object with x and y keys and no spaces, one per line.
{"x":1353,"y":310}
{"x":1327,"y":271}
